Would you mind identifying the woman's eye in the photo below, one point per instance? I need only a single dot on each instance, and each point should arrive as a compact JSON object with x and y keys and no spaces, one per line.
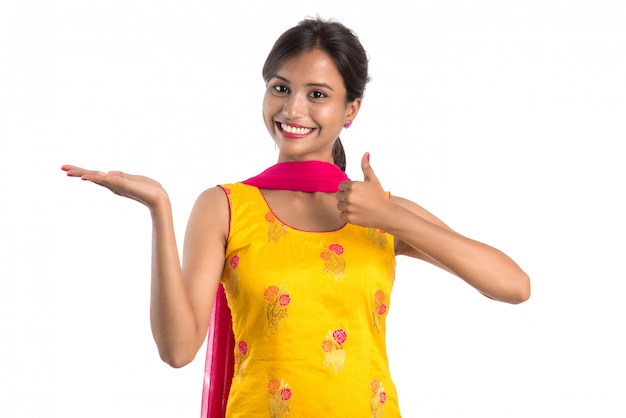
{"x":317,"y":95}
{"x":279,"y":88}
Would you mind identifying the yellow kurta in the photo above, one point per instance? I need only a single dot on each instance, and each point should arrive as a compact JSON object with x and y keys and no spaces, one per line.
{"x":309,"y":313}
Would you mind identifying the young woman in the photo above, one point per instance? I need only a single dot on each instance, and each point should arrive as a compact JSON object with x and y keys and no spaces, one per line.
{"x":305,"y":256}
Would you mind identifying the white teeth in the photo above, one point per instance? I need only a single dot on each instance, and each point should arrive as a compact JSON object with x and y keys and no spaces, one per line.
{"x":294,"y":130}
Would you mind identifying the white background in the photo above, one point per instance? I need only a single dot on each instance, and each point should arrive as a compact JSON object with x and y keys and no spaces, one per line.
{"x":504,"y":118}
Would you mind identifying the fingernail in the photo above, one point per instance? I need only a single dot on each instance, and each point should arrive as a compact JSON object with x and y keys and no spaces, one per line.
{"x":368,"y":157}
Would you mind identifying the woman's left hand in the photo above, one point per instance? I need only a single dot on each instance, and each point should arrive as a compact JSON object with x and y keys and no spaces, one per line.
{"x":363,"y":203}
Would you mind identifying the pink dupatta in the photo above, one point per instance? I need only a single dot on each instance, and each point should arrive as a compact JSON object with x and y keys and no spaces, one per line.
{"x":302,"y":176}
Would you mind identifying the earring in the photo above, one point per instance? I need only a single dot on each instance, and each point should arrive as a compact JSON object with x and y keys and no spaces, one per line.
{"x":347,"y":124}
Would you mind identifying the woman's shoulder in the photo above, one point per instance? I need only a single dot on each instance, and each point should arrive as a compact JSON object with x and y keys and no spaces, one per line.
{"x":224,"y":195}
{"x":221,"y":191}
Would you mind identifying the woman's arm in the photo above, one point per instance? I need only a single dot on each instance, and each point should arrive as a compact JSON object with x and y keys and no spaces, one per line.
{"x":181,"y":297}
{"x":420,"y":234}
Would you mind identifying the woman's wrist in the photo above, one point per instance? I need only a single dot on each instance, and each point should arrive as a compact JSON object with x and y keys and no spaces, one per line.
{"x":161,"y":206}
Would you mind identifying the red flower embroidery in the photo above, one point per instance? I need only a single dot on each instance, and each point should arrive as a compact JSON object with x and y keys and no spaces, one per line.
{"x":284,"y":300}
{"x":285,"y":394}
{"x":334,"y":263}
{"x":340,"y":336}
{"x":231,"y":277}
{"x":379,"y":396}
{"x":334,"y":354}
{"x":243,"y":347}
{"x":241,"y":357}
{"x":336,"y":248}
{"x":277,"y":301}
{"x":279,"y":397}
{"x":382,"y":309}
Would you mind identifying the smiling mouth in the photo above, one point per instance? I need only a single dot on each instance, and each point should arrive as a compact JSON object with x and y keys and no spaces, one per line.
{"x":294,"y":130}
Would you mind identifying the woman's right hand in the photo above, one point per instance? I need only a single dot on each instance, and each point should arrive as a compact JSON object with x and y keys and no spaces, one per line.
{"x":139,"y":188}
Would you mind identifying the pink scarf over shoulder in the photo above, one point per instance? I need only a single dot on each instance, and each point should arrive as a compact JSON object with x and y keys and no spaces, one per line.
{"x":302,"y":176}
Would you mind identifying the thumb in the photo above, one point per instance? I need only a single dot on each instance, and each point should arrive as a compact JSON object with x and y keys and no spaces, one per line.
{"x":368,"y":172}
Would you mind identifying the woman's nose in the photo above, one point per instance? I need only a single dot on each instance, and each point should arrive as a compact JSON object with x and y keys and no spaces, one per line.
{"x":295,"y":106}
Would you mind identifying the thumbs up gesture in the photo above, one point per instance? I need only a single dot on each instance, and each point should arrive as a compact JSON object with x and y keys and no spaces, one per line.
{"x":363,"y":203}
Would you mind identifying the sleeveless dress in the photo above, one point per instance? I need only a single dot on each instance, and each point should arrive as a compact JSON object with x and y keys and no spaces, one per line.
{"x":308,"y":312}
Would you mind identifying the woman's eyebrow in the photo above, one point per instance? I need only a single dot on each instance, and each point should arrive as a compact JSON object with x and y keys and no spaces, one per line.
{"x":325,"y":85}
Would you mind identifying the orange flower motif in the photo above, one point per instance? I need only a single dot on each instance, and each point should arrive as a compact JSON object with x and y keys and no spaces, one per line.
{"x":276,"y":229}
{"x":272,"y":386}
{"x":375,"y":385}
{"x":280,"y":394}
{"x":271,"y":292}
{"x":380,"y":308}
{"x":334,"y":354}
{"x":377,"y":401}
{"x":277,"y":303}
{"x":379,"y":297}
{"x":334,"y":263}
{"x":378,"y":237}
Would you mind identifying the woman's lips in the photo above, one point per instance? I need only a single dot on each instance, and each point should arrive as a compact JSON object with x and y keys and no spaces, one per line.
{"x":293,"y":131}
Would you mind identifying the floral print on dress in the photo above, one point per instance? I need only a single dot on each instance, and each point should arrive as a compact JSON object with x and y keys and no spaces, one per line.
{"x":332,"y":346}
{"x":334,"y":263}
{"x":276,"y":229}
{"x":380,"y":308}
{"x":379,"y":396}
{"x":241,"y":357}
{"x":231,"y":276}
{"x":378,"y":237}
{"x":280,"y":393}
{"x":277,"y":302}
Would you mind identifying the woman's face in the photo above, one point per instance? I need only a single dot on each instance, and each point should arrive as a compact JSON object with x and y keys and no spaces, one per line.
{"x":305,"y":107}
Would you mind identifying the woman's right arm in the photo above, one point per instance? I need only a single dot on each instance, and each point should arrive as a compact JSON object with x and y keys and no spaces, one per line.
{"x":182,"y":297}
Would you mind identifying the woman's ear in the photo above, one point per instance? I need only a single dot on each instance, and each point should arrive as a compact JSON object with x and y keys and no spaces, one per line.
{"x":353,"y":108}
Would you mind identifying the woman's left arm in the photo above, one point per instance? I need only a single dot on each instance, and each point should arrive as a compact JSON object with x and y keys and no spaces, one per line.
{"x":420,"y":234}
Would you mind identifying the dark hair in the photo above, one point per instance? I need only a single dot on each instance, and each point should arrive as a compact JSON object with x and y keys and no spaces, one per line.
{"x":336,"y":40}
